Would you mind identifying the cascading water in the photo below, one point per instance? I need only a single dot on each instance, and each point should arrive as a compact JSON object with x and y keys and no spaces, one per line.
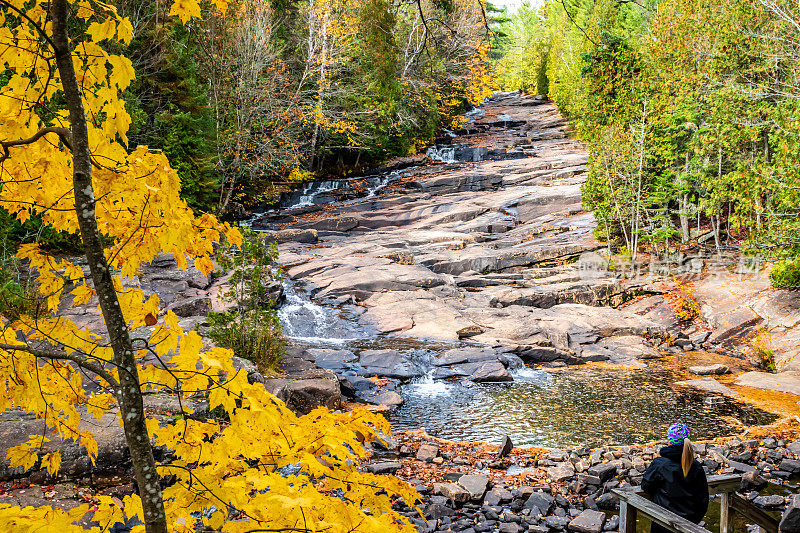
{"x":444,"y":154}
{"x":309,"y":323}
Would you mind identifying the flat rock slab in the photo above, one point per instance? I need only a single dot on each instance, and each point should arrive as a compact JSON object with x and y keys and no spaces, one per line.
{"x":709,"y":385}
{"x":588,"y":522}
{"x":710,"y":370}
{"x":475,"y":485}
{"x":780,"y":382}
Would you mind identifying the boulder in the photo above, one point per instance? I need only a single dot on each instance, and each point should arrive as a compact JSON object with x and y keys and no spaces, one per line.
{"x":588,"y":521}
{"x":485,"y":371}
{"x":452,"y":491}
{"x":389,"y":398}
{"x":475,"y":485}
{"x":388,"y":363}
{"x":331,"y":224}
{"x":304,"y":386}
{"x":505,"y":447}
{"x":752,"y":481}
{"x":307,"y":236}
{"x":387,"y":467}
{"x":497,"y":496}
{"x":427,"y":452}
{"x":540,"y":502}
{"x":770,"y":502}
{"x":604,"y":471}
{"x":715,"y":370}
{"x":561,"y":473}
{"x":196,"y":306}
{"x":790,"y":465}
{"x":790,"y":521}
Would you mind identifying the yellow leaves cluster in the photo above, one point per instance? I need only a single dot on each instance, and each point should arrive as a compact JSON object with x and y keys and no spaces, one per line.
{"x":277,"y":469}
{"x":186,"y":9}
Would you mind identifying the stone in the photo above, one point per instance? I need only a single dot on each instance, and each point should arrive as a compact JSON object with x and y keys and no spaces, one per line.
{"x":485,"y":371}
{"x":253,"y":375}
{"x":401,"y":258}
{"x":452,"y":491}
{"x":717,"y":370}
{"x":561,"y":473}
{"x":607,"y":502}
{"x":388,"y":363}
{"x":506,"y":445}
{"x":197,"y":306}
{"x":509,"y":527}
{"x":790,"y":521}
{"x":604,"y":471}
{"x":389,"y":398}
{"x":474,"y":484}
{"x":588,"y":521}
{"x":752,"y":481}
{"x":612,"y":524}
{"x":557,"y":522}
{"x":469,"y":331}
{"x":790,"y":465}
{"x":709,"y":385}
{"x":780,"y":382}
{"x":700,"y":338}
{"x":427,"y":452}
{"x":497,"y":496}
{"x":387,"y":467}
{"x":307,"y":236}
{"x":331,"y":224}
{"x":771,"y":501}
{"x":540,"y":502}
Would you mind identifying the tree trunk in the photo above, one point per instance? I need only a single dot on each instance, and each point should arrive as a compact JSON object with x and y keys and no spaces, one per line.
{"x":129,"y":395}
{"x":684,"y":214}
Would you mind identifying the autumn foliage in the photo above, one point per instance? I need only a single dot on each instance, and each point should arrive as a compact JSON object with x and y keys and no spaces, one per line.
{"x":255,"y":467}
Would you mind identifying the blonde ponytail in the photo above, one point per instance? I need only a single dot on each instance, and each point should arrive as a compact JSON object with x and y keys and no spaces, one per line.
{"x":687,"y":458}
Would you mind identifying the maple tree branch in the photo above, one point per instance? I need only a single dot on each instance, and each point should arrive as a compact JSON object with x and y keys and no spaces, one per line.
{"x":78,"y":359}
{"x":63,"y":133}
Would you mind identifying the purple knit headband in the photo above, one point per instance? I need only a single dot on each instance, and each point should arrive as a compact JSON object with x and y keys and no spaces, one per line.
{"x":677,"y":432}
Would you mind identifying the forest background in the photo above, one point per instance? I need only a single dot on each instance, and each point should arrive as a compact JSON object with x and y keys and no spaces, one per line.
{"x":691,"y":112}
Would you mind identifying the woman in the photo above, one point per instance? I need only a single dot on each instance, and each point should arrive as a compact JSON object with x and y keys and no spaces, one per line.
{"x":675,"y":480}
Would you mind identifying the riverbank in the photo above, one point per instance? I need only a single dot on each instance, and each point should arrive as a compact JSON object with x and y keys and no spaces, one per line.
{"x":482,"y":487}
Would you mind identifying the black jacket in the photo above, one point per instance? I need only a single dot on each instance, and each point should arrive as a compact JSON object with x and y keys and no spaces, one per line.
{"x":664,"y":481}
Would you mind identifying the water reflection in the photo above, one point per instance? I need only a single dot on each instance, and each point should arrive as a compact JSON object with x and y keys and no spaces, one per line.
{"x":591,"y":406}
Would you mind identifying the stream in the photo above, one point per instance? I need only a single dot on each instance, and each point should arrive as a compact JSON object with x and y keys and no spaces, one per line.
{"x":588,"y":405}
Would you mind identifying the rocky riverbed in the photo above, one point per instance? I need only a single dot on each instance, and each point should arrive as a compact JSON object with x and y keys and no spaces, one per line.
{"x":461,"y":291}
{"x":481,"y":488}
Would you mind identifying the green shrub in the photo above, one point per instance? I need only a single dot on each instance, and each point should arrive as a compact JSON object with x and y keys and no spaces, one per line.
{"x":255,"y":334}
{"x":786,"y":274}
{"x":762,"y":349}
{"x":251,"y":328}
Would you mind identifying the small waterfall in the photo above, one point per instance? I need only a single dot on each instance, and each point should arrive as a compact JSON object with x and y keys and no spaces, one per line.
{"x":306,"y":321}
{"x":426,"y":386}
{"x":445,"y":154}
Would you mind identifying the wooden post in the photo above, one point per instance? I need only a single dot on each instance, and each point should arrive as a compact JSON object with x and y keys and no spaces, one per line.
{"x":725,"y":523}
{"x":627,"y":518}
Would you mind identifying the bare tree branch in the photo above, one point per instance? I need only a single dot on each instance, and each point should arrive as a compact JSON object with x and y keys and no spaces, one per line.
{"x":64,"y":134}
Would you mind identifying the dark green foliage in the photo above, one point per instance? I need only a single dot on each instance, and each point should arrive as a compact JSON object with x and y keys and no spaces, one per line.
{"x":169,"y":106}
{"x":251,"y":328}
{"x":255,"y":335}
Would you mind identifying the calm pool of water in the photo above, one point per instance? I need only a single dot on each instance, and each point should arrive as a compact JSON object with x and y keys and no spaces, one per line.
{"x":586,"y":406}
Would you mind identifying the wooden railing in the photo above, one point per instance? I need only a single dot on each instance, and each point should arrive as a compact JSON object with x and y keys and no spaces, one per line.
{"x":635,"y":501}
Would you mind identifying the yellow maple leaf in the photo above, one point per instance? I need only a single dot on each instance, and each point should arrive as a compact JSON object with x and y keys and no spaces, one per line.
{"x":185,"y":9}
